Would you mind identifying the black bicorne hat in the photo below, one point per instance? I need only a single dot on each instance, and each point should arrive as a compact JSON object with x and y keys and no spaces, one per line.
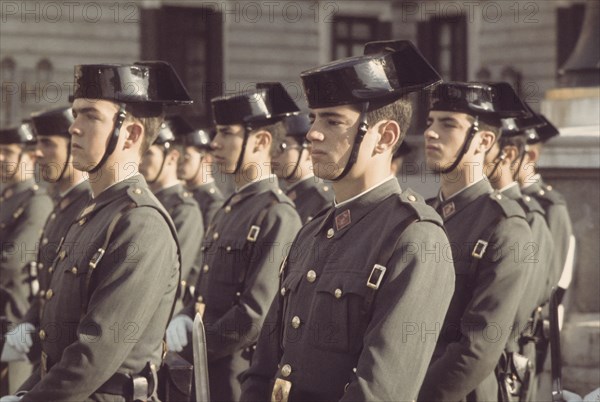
{"x":514,"y":126}
{"x":53,"y":122}
{"x":267,"y":104}
{"x":199,"y":138}
{"x":297,"y":126}
{"x":142,"y":82}
{"x":387,"y":71}
{"x":22,"y":134}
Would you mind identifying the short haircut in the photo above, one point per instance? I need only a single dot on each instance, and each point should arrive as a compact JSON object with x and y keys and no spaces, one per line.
{"x":400,"y":111}
{"x":278,"y":133}
{"x":151,"y":116}
{"x":488,"y":124}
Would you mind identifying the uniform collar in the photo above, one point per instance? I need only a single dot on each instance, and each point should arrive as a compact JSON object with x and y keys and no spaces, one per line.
{"x":346,"y":214}
{"x":301,"y":184}
{"x":113,"y":192}
{"x":270,"y":177}
{"x":74,"y":193}
{"x":512,"y":191}
{"x":174,"y":189}
{"x":203,"y":185}
{"x":449,"y":207}
{"x":536,"y":179}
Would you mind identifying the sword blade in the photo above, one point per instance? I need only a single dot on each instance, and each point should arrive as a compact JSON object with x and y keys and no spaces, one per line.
{"x":200,"y":361}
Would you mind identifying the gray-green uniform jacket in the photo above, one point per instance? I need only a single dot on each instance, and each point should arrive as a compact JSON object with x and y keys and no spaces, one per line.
{"x":116,"y":323}
{"x":239,"y":278}
{"x":24,"y":209}
{"x":311,"y":196}
{"x":209,"y":198}
{"x":186,"y":216}
{"x":333,"y":331}
{"x":559,"y":223}
{"x":67,"y":208}
{"x":488,"y":292}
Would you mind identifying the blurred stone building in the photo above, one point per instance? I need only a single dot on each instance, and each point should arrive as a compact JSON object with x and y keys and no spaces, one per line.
{"x":223,"y":47}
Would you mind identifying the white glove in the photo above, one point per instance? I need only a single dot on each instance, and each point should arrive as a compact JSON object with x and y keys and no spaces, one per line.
{"x":593,"y":396}
{"x":11,"y":398}
{"x":177,"y":332}
{"x":10,"y":354}
{"x":20,"y":337}
{"x":568,"y":396}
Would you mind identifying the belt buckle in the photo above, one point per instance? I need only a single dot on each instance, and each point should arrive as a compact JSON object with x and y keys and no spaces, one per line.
{"x":479,"y":249}
{"x":281,"y":390}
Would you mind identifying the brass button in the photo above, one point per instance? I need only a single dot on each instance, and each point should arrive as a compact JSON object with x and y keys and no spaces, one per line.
{"x":205,"y":268}
{"x":186,"y":194}
{"x":50,"y":270}
{"x":325,"y":188}
{"x":527,"y":198}
{"x":74,"y":270}
{"x":542,"y":192}
{"x":62,"y":255}
{"x":498,"y":196}
{"x":338,"y":293}
{"x":282,"y":291}
{"x":52,"y":216}
{"x":215,"y":236}
{"x":49,"y":294}
{"x":354,"y":370}
{"x":286,"y":370}
{"x":183,"y":283}
{"x":137,"y":191}
{"x":40,"y":265}
{"x":238,"y":294}
{"x":227,"y":209}
{"x":42,"y":334}
{"x":212,"y":191}
{"x":42,"y":293}
{"x":296,"y":322}
{"x":228,"y":249}
{"x":549,"y":187}
{"x":36,"y":187}
{"x":311,"y":276}
{"x":82,"y":221}
{"x":279,"y":191}
{"x":330,"y":233}
{"x":200,"y":299}
{"x":412,"y":198}
{"x":45,"y":241}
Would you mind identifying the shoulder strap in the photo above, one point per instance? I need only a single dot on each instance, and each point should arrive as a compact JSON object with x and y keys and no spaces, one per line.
{"x":98,"y":256}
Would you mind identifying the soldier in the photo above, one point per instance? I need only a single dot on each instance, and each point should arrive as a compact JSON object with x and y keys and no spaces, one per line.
{"x":196,"y":169}
{"x":245,"y":243}
{"x":503,"y":164}
{"x":159,"y":167}
{"x":557,"y":218}
{"x":113,"y":283}
{"x":71,"y":192}
{"x":366,"y":277}
{"x":554,"y":204}
{"x":25,"y":207}
{"x":488,"y":232}
{"x":291,"y":163}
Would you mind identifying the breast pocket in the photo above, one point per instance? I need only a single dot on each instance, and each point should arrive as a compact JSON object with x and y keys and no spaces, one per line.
{"x":337,"y":318}
{"x":230,"y":260}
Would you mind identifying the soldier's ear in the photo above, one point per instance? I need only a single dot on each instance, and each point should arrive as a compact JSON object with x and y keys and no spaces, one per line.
{"x":262,"y":140}
{"x":389,"y":134}
{"x":135,"y":133}
{"x":486,"y":141}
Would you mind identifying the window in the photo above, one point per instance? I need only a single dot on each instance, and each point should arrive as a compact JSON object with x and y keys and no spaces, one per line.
{"x":190,"y":38}
{"x":9,"y":92}
{"x":351,"y":33}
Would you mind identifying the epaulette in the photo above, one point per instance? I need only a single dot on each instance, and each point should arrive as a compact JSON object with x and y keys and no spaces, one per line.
{"x":417,"y":204}
{"x":186,"y":197}
{"x":141,"y":197}
{"x":531,"y":205}
{"x":549,"y":194}
{"x":281,"y":197}
{"x":507,"y":206}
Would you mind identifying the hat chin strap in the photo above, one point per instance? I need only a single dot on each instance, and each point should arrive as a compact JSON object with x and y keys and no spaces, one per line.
{"x":363,"y":127}
{"x":114,"y":138}
{"x":240,"y":160}
{"x":162,"y":165}
{"x":466,"y":145}
{"x":521,"y":160}
{"x":65,"y":165}
{"x":291,"y":175}
{"x":18,"y":164}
